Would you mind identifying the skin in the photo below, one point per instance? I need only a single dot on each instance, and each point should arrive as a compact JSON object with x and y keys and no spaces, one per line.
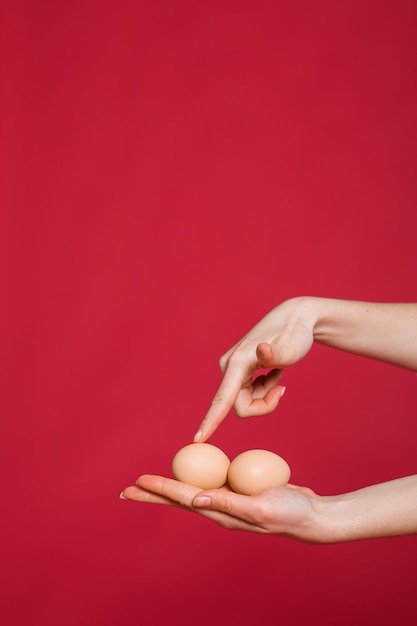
{"x":386,"y":332}
{"x":384,"y":510}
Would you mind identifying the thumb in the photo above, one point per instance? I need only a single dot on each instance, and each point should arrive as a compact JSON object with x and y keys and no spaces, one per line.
{"x":241,"y":508}
{"x":274,"y":354}
{"x":219,"y":501}
{"x":223,"y":500}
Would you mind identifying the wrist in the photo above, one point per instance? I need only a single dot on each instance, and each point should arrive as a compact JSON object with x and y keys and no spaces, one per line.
{"x":341,"y":518}
{"x":330,"y":316}
{"x":327,"y":522}
{"x":305,"y":310}
{"x":323,"y":521}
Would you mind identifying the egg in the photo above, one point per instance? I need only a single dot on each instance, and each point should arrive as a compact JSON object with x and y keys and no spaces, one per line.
{"x":202,"y":465}
{"x":255,"y":470}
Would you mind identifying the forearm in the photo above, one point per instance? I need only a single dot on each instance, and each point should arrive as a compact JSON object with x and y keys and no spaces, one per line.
{"x":382,"y":331}
{"x":384,"y":510}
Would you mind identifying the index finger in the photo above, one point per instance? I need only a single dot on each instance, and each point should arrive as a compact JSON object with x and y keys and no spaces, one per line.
{"x":233,"y":380}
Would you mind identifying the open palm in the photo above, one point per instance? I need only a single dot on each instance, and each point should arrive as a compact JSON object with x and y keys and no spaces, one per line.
{"x":283,"y":511}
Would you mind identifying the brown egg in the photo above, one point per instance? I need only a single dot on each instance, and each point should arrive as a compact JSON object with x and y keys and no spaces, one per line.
{"x":202,"y":465}
{"x":255,"y":470}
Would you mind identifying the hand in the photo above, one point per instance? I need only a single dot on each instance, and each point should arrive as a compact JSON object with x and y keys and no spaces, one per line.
{"x":285,"y":511}
{"x":280,"y":339}
{"x":384,"y":510}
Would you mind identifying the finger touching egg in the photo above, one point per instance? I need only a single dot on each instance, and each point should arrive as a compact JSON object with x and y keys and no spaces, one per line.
{"x":255,"y":470}
{"x":202,"y":465}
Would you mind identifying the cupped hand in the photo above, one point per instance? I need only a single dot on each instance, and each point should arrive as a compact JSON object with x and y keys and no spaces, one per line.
{"x":281,"y":338}
{"x":288,"y":511}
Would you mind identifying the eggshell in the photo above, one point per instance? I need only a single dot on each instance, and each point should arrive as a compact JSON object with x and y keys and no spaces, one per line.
{"x":255,"y":470}
{"x":202,"y":465}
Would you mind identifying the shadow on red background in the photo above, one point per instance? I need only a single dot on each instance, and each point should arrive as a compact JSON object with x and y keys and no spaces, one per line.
{"x":172,"y":171}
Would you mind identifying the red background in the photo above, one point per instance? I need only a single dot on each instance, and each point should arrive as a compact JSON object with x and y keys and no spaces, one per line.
{"x":172,"y":171}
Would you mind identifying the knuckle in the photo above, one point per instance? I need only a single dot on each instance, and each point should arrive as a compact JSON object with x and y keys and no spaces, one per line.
{"x":223,"y":361}
{"x":259,"y":512}
{"x":184,"y":496}
{"x":242,"y":410}
{"x":226,"y":506}
{"x":238,"y":357}
{"x":218,"y":399}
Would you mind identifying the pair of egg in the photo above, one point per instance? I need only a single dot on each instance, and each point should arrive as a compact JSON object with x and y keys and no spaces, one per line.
{"x":206,"y":466}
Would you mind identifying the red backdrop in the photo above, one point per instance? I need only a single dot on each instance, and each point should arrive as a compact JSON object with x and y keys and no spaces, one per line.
{"x":172,"y":171}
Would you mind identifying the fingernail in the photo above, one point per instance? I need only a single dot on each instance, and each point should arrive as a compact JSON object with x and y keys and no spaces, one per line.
{"x":197,"y":435}
{"x":202,"y":501}
{"x":122,"y":496}
{"x":284,"y":389}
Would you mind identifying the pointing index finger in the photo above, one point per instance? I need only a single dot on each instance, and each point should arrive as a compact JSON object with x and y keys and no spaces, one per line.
{"x":222,"y":402}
